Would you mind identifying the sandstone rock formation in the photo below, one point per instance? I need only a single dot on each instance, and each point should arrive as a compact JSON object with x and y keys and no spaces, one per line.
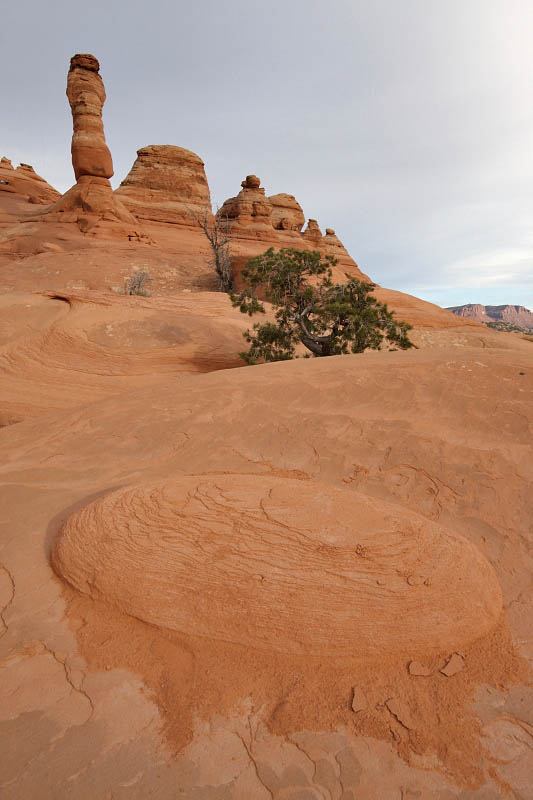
{"x":339,"y":533}
{"x":287,"y":214}
{"x":82,"y":346}
{"x":101,"y":699}
{"x":259,"y":222}
{"x":313,"y":234}
{"x":299,"y":568}
{"x":250,"y":211}
{"x":512,"y":315}
{"x":91,"y":200}
{"x":24,"y":181}
{"x":86,"y":95}
{"x":164,"y":183}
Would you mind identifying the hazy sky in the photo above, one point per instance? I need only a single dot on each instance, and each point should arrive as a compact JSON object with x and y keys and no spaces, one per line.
{"x":406,"y":125}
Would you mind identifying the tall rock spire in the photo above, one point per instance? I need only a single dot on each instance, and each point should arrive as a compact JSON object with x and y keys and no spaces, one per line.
{"x":91,"y":202}
{"x":86,"y":95}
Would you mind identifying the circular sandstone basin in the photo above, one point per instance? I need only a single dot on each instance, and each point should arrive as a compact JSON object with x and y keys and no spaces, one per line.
{"x":283,"y":564}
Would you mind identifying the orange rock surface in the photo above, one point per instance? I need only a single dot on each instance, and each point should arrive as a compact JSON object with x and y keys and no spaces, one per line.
{"x":287,"y":214}
{"x":250,"y":211}
{"x":449,"y":455}
{"x":91,"y":200}
{"x":280,"y":564}
{"x":24,"y":181}
{"x":86,"y":95}
{"x":165,"y":184}
{"x":308,"y":579}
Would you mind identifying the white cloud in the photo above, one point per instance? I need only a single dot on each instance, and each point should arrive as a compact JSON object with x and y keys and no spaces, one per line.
{"x":405,"y":125}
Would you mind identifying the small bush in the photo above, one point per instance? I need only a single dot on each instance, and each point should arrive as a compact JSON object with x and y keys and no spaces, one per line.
{"x":137,"y":283}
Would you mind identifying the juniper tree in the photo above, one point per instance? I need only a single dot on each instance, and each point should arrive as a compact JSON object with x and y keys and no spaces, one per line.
{"x":327,"y":318}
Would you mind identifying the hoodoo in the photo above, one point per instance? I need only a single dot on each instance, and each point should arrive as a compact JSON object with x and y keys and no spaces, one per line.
{"x":86,"y":95}
{"x":250,"y":211}
{"x":92,"y":195}
{"x":312,"y":233}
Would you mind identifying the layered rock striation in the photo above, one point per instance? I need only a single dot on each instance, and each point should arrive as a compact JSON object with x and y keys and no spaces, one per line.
{"x":24,"y":181}
{"x":86,"y":95}
{"x":250,"y":211}
{"x":285,"y":565}
{"x":91,"y":199}
{"x":508,"y":314}
{"x":165,"y":184}
{"x":258,"y":221}
{"x":287,"y":213}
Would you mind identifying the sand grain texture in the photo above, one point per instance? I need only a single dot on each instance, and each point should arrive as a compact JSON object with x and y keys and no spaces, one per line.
{"x":281,"y":564}
{"x":307,"y":580}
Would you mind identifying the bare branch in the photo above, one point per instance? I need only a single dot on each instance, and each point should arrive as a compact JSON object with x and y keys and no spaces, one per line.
{"x":217,"y":232}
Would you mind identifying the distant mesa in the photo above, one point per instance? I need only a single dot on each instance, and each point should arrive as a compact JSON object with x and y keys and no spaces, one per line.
{"x":280,"y":564}
{"x":505,"y":314}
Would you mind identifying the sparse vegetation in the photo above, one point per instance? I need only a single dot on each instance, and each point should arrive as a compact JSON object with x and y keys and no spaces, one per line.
{"x":137,"y":283}
{"x":328,"y":319}
{"x":508,"y":327}
{"x":217,"y":232}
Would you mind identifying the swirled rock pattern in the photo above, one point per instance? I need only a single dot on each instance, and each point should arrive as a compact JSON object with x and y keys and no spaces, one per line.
{"x":280,"y":564}
{"x":84,"y":346}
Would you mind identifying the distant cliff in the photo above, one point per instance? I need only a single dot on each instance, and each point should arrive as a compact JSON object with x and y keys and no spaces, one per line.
{"x":518,"y":316}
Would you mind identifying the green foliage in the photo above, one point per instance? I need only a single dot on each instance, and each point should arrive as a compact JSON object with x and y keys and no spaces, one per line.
{"x":329,"y":319}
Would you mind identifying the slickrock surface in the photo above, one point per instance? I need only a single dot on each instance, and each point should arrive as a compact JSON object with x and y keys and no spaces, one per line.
{"x":93,"y":345}
{"x":24,"y":181}
{"x":100,"y":700}
{"x":282,"y":565}
{"x":164,"y":183}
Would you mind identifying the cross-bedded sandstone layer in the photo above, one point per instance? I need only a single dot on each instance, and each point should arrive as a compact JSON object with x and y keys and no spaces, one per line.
{"x":281,"y":564}
{"x":165,"y":184}
{"x":24,"y":181}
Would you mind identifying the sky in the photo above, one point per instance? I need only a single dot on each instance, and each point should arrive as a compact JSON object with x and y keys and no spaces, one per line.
{"x":405,"y":125}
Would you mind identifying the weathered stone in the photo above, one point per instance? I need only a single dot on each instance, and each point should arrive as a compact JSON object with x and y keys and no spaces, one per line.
{"x":454,"y":665}
{"x":287,"y":214}
{"x":250,"y":211}
{"x":165,"y":184}
{"x":86,"y":95}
